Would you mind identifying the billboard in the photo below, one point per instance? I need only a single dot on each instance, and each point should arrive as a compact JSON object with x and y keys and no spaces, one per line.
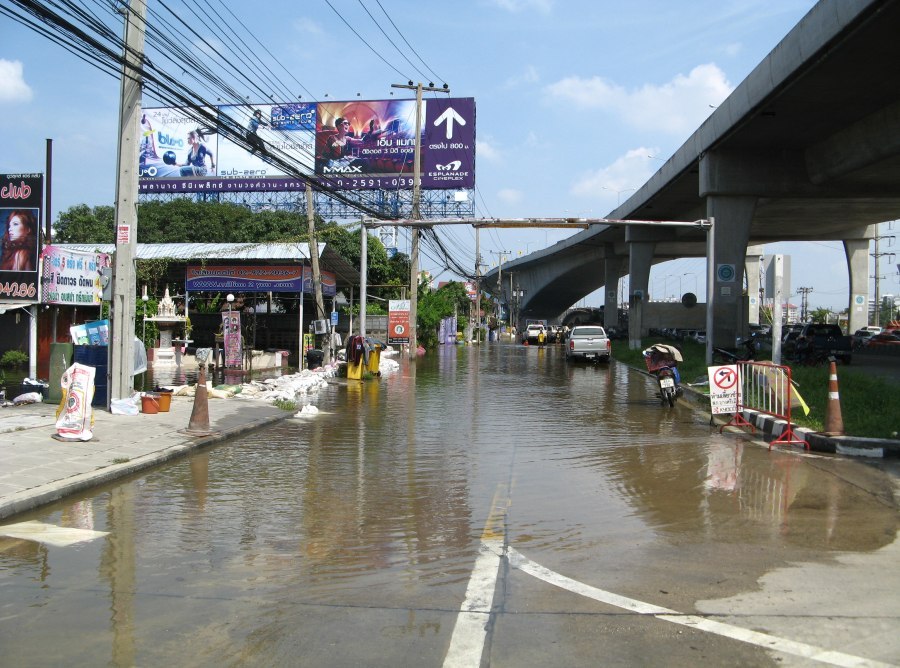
{"x":359,"y":144}
{"x":21,"y":198}
{"x":257,"y":278}
{"x":72,"y":277}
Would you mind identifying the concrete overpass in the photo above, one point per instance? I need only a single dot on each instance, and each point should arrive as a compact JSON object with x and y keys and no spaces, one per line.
{"x":806,"y":148}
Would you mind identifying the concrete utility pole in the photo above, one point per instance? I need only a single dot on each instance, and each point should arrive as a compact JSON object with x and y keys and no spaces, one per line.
{"x":416,"y":213}
{"x":314,"y":261}
{"x":477,"y":285}
{"x":877,"y":257}
{"x":501,"y":254}
{"x":804,"y":303}
{"x":121,"y":350}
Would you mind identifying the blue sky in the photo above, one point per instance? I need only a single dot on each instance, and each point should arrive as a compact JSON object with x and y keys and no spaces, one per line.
{"x":578,"y":102}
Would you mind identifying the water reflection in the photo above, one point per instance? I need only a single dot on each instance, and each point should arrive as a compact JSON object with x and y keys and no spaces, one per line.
{"x":377,"y":504}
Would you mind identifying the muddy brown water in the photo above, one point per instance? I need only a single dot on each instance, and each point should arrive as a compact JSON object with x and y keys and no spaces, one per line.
{"x":348,"y":538}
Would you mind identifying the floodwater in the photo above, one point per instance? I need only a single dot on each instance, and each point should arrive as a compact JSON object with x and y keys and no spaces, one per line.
{"x":349,"y":538}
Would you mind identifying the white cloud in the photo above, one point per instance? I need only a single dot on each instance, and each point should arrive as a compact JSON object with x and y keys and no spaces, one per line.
{"x":676,"y":107}
{"x":529,"y":76}
{"x":12,"y":82}
{"x":543,"y":6}
{"x":617,"y":182}
{"x":509,"y":196}
{"x":485,"y":149}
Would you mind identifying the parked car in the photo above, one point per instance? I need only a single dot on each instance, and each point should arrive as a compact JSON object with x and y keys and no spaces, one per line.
{"x":588,"y":342}
{"x":817,"y":339}
{"x":861,"y":338}
{"x":884,"y":339}
{"x":532,"y":332}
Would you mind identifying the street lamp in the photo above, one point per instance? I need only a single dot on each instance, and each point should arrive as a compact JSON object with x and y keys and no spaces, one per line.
{"x":618,"y":193}
{"x":229,"y":298}
{"x":694,"y":274}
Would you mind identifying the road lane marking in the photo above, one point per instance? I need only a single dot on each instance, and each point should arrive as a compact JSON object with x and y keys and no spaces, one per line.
{"x":470,"y":631}
{"x":764,"y":640}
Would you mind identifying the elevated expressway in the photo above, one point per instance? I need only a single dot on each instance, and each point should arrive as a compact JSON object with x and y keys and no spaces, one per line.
{"x":806,"y":148}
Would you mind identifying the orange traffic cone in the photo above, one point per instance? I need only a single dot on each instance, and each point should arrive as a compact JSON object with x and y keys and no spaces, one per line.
{"x":199,"y":422}
{"x":834,"y":422}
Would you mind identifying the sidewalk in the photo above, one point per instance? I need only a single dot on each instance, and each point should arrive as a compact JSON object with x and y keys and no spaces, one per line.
{"x":36,"y":469}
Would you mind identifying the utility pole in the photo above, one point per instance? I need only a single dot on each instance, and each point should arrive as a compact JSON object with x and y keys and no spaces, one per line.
{"x":121,"y":349}
{"x":804,"y":303}
{"x":477,"y":285}
{"x":501,"y":254}
{"x":314,"y":262}
{"x":416,"y":213}
{"x":877,"y":255}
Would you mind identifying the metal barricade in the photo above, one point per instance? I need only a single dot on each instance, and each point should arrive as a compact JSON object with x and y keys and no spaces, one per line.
{"x":766,"y":388}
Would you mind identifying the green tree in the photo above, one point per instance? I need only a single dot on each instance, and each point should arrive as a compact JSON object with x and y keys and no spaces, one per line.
{"x":434,"y":305}
{"x":820,"y":314}
{"x":81,"y":224}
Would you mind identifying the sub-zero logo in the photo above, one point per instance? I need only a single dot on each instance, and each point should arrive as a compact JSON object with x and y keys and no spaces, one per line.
{"x":343,"y":169}
{"x":450,"y":166}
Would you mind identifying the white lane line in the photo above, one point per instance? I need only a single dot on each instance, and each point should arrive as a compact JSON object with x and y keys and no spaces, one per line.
{"x":470,"y":631}
{"x":467,"y":642}
{"x":517,"y":560}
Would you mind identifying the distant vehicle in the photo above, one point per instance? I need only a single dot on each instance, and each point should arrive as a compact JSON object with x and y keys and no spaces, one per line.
{"x":861,"y":338}
{"x":588,"y":342}
{"x":873,"y":328}
{"x":884,"y":339}
{"x":818,"y":339}
{"x":533,"y":332}
{"x":700,"y":336}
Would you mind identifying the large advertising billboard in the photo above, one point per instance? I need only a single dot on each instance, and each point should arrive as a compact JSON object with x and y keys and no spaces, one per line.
{"x":360,"y":144}
{"x":72,"y":277}
{"x":21,"y":198}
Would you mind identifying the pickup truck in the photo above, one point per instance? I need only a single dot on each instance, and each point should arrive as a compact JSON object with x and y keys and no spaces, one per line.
{"x":817,"y":339}
{"x":588,"y":342}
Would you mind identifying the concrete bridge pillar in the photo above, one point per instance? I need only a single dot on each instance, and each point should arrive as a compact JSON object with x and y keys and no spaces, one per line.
{"x":640,"y":258}
{"x":857,"y":253}
{"x":726,"y":252}
{"x":614,"y":268}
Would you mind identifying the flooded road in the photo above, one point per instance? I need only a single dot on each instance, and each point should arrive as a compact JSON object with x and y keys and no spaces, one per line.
{"x":573,"y":520}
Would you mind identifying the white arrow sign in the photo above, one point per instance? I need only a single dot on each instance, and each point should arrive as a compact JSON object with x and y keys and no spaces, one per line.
{"x":450,"y":115}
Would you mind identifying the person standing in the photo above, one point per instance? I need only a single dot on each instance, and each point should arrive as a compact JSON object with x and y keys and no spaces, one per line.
{"x":19,"y":242}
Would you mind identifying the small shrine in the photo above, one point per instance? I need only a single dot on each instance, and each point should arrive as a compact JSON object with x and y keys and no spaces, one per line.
{"x":168,"y":322}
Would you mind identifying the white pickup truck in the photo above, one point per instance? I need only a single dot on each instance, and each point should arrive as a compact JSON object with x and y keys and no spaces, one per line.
{"x":588,"y":342}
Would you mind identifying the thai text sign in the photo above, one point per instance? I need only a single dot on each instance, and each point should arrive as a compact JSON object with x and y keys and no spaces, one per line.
{"x":21,"y":197}
{"x":72,"y":277}
{"x":724,"y":388}
{"x":257,"y":278}
{"x":398,"y":322}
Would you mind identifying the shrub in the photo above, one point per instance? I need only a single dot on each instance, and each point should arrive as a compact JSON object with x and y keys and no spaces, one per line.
{"x":13,"y":359}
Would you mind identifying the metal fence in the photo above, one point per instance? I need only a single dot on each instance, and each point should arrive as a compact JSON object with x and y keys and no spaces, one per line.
{"x":768,"y":389}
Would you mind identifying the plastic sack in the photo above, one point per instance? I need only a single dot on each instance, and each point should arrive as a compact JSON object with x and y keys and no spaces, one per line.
{"x":74,"y":417}
{"x":140,"y":357}
{"x":124,"y":406}
{"x":28,"y":398}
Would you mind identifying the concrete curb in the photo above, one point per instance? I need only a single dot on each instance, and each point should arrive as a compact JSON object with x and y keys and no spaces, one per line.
{"x":851,"y":446}
{"x":771,"y":428}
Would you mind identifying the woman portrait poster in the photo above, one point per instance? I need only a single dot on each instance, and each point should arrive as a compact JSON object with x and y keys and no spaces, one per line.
{"x":19,"y":240}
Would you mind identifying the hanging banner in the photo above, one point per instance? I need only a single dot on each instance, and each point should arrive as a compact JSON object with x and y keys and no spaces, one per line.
{"x":231,"y":331}
{"x":258,"y":278}
{"x":21,"y":197}
{"x":398,"y":322}
{"x":72,"y":277}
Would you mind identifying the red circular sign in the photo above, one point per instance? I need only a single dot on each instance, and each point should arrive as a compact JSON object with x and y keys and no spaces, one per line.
{"x":725,"y":378}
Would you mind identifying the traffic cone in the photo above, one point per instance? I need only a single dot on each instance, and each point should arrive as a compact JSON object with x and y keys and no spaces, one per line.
{"x":834,"y":422}
{"x":199,"y":422}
